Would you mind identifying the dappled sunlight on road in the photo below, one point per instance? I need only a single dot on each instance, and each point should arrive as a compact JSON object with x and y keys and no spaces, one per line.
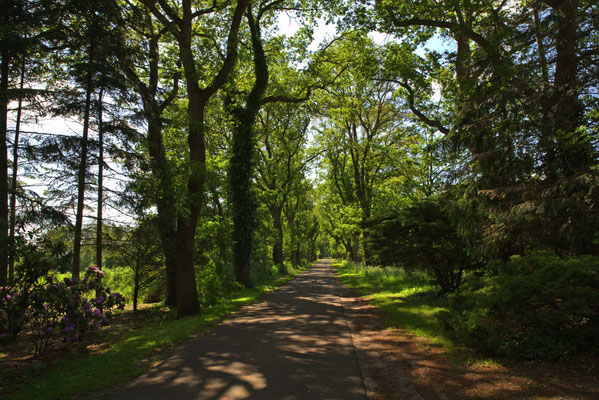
{"x":294,"y":344}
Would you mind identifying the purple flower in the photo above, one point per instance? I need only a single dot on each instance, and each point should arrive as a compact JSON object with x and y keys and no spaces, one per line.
{"x":97,"y":324}
{"x":76,"y":338}
{"x":97,"y":312}
{"x":100,"y":300}
{"x":50,"y":330}
{"x":86,"y":305}
{"x":101,"y":273}
{"x":69,"y":328}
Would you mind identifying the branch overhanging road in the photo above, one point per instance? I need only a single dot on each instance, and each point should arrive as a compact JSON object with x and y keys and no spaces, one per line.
{"x":293,"y":344}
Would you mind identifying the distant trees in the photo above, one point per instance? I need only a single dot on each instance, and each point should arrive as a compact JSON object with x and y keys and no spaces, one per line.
{"x":136,"y":250}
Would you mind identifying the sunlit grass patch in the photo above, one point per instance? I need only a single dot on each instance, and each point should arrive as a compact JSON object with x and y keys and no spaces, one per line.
{"x":407,"y":301}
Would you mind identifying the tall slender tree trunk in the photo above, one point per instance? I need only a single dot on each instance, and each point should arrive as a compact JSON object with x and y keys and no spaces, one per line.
{"x":349,"y":249}
{"x":277,"y":251}
{"x":355,"y":239}
{"x":575,"y":155}
{"x":365,"y":244}
{"x":136,"y":283}
{"x":4,"y":70}
{"x":100,"y":183}
{"x":187,"y":293}
{"x":76,"y":271}
{"x":294,"y":244}
{"x":241,"y":166}
{"x":15,"y":169}
{"x":161,"y":171}
{"x":166,"y":205}
{"x":244,"y":210}
{"x":546,"y":139}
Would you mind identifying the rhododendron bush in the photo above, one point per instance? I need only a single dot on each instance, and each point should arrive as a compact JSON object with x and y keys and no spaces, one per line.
{"x":57,"y":312}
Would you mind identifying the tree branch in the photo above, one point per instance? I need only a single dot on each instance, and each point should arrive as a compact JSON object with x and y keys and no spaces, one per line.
{"x":411,"y":96}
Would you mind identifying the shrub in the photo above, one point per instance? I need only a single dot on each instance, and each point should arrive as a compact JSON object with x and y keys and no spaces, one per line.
{"x":59,"y":311}
{"x":537,"y":306}
{"x":214,"y":286}
{"x":421,"y":236}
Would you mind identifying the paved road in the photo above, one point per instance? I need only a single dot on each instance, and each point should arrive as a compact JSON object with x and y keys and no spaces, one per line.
{"x":292,"y":345}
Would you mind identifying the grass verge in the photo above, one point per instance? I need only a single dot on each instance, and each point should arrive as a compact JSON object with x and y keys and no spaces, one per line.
{"x":123,"y":352}
{"x":409,"y":302}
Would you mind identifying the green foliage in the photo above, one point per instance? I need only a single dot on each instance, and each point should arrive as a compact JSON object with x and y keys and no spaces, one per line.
{"x":214,"y":287}
{"x":537,"y":306}
{"x":421,"y":236}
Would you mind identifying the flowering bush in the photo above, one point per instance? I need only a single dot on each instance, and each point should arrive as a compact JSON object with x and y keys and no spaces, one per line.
{"x":59,"y":311}
{"x":11,"y":314}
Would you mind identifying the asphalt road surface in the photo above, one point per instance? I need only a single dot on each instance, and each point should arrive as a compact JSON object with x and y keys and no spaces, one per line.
{"x":292,"y":345}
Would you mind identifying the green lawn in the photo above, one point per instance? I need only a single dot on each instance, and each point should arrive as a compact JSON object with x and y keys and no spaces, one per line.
{"x":77,"y":374}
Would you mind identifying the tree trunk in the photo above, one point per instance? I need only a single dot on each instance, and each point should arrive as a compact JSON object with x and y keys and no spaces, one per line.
{"x":365,"y":246}
{"x":187,"y":292}
{"x":241,"y":167}
{"x":296,"y":257}
{"x":166,"y":206}
{"x":136,"y":285}
{"x":81,"y":173}
{"x":277,"y":251}
{"x":15,"y":170}
{"x":349,"y":249}
{"x":244,"y":210}
{"x":293,"y":242}
{"x":4,"y":70}
{"x":100,"y":183}
{"x":356,"y":247}
{"x":337,"y":243}
{"x":575,"y":155}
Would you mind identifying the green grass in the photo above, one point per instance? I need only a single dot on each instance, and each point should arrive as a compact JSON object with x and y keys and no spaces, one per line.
{"x":77,"y":374}
{"x":409,"y":302}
